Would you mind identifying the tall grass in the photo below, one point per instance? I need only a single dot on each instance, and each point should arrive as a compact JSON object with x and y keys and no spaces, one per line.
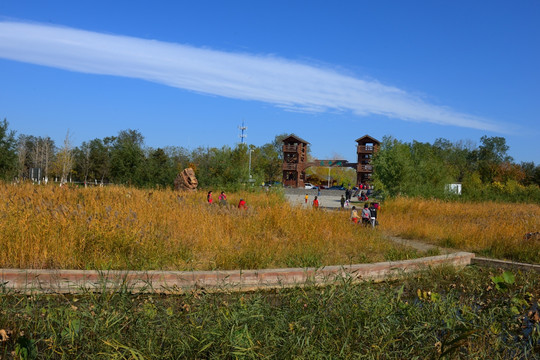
{"x":441,"y":314}
{"x":127,"y":228}
{"x":488,"y":228}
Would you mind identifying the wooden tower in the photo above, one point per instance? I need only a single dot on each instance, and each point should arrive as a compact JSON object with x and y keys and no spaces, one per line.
{"x":367,"y":146}
{"x":294,"y":161}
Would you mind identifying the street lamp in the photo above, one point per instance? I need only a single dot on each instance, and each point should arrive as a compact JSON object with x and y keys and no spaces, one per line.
{"x":329,"y":176}
{"x":249,"y":171}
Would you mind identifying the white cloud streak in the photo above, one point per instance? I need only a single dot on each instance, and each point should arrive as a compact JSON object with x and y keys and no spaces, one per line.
{"x":270,"y":79}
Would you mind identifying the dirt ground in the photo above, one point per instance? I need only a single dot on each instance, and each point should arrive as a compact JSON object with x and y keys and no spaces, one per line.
{"x":327,"y":198}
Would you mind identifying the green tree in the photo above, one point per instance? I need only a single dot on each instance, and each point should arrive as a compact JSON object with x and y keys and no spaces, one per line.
{"x":266,"y":162}
{"x":430,"y":173}
{"x":418,"y":169}
{"x":277,"y":144}
{"x":458,"y":157}
{"x":81,"y":166}
{"x":221,"y":167}
{"x":532,"y":173}
{"x":127,"y":158}
{"x":491,"y":153}
{"x":8,"y":154}
{"x":100,"y":159}
{"x":179,"y":156}
{"x":393,"y":166}
{"x":160,"y":169}
{"x":493,"y":149}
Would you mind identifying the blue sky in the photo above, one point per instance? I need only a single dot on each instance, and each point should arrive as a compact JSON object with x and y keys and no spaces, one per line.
{"x":188,"y":73}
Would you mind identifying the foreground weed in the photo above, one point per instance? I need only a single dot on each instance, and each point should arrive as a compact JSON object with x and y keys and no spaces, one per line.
{"x":442,"y":313}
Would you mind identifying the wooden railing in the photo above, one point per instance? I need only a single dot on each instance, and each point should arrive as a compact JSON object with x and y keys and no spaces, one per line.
{"x":365,"y":167}
{"x":365,"y":149}
{"x":289,"y":166}
{"x":290,"y":148}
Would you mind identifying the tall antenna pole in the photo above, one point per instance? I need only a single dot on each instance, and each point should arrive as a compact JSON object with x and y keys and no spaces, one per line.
{"x":243,"y":129}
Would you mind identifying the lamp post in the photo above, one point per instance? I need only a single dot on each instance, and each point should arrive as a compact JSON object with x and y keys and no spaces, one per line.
{"x":329,"y":176}
{"x":249,"y":170}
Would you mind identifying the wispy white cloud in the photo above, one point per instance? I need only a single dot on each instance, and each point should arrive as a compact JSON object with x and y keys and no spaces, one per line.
{"x":285,"y":83}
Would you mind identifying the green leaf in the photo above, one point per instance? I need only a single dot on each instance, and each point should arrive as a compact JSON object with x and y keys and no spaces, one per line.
{"x":514,"y":310}
{"x":508,"y":277}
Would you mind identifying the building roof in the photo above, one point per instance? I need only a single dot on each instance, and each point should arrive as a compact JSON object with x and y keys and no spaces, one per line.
{"x":367,"y":138}
{"x":295,"y":138}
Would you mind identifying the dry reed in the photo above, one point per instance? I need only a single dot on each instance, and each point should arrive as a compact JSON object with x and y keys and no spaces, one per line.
{"x":488,"y":228}
{"x":127,"y":228}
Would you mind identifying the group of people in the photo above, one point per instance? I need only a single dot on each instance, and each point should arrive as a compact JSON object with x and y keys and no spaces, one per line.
{"x":315,"y":202}
{"x":222,"y":198}
{"x":365,"y":187}
{"x":368,"y":215}
{"x":344,"y":201}
{"x":363,"y":196}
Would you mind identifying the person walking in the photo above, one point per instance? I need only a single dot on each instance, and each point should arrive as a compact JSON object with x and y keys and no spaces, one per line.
{"x":222,"y":198}
{"x":242,"y":204}
{"x":354,"y":215}
{"x":306,"y":198}
{"x":366,"y":215}
{"x":373,"y":213}
{"x":342,"y":201}
{"x":316,"y":203}
{"x":209,"y":197}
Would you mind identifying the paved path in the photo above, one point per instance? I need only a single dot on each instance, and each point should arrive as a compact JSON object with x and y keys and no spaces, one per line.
{"x":419,"y":245}
{"x":331,"y":199}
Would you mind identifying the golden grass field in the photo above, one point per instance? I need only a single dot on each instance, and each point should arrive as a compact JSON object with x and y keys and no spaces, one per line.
{"x":128,"y":228}
{"x":488,"y":228}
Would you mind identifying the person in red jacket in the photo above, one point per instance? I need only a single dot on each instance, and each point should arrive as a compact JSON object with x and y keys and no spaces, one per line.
{"x":242,"y":204}
{"x":209,"y":197}
{"x":316,"y":203}
{"x":222,"y":198}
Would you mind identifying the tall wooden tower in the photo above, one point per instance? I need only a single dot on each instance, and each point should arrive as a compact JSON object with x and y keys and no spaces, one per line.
{"x":367,"y":146}
{"x":294,"y":161}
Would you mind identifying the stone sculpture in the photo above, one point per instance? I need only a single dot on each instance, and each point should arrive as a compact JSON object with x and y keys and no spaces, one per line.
{"x":186,"y":181}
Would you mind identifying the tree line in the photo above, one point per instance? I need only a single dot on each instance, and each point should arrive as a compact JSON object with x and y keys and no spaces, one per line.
{"x":486,"y":171}
{"x":124,"y":159}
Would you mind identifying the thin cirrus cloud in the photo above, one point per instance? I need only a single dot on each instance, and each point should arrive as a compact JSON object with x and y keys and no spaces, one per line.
{"x":282,"y":82}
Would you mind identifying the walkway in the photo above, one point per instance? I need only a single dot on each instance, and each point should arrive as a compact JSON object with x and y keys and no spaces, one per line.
{"x":330,"y":199}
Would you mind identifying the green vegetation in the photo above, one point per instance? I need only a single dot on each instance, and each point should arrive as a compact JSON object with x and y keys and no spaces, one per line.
{"x":338,"y":176}
{"x":486,"y":172}
{"x":413,"y":169}
{"x":124,"y":159}
{"x":8,"y":156}
{"x":445,"y":313}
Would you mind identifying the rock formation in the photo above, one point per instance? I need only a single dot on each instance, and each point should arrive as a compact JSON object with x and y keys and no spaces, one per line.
{"x":186,"y":181}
